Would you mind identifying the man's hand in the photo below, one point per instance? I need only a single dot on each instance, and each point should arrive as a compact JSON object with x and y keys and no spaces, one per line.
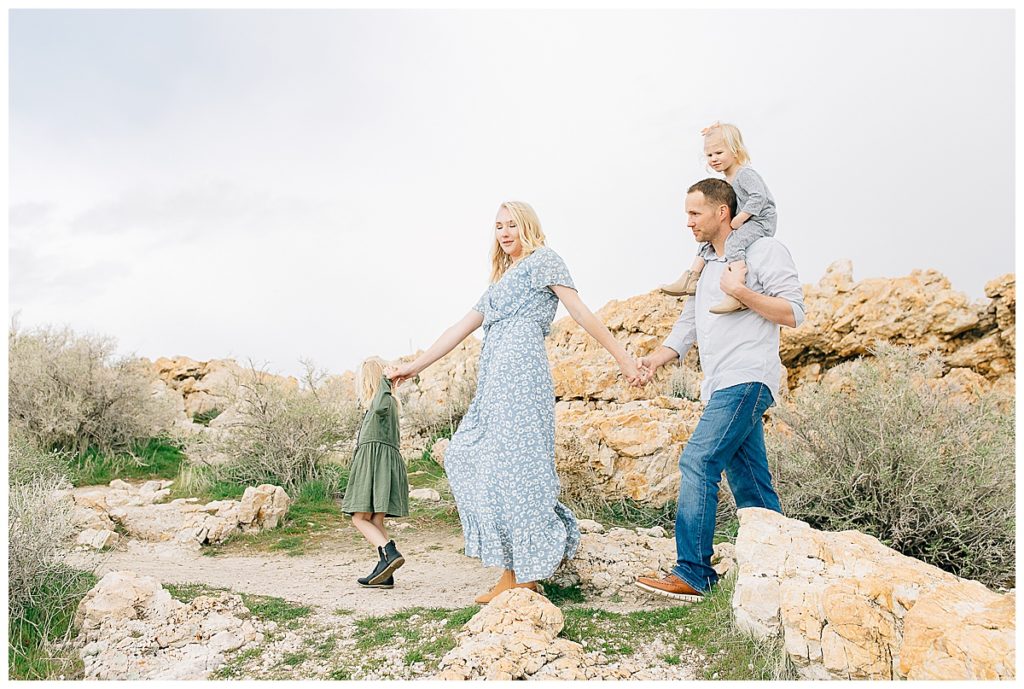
{"x":734,"y":278}
{"x":647,"y":369}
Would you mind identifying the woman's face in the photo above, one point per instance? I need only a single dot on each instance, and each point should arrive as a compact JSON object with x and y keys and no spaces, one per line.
{"x":506,"y":232}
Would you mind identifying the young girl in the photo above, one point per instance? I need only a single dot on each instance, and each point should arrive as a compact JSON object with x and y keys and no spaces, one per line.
{"x":755,"y":216}
{"x":377,"y":483}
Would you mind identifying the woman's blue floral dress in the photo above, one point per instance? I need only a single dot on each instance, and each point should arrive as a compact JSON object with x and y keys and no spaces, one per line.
{"x":501,"y":460}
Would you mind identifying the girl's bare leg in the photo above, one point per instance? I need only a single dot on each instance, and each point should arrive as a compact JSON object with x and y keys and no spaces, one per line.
{"x":377,"y":519}
{"x":371,"y":532}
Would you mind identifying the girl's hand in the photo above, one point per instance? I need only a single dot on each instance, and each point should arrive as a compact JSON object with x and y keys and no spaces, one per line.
{"x":398,"y":374}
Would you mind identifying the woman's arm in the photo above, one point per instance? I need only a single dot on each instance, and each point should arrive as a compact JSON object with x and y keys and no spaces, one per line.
{"x":448,"y":341}
{"x":589,"y":322}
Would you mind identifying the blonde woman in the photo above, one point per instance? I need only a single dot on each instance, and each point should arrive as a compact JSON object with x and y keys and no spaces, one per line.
{"x":377,"y":483}
{"x":501,"y":460}
{"x":755,"y":215}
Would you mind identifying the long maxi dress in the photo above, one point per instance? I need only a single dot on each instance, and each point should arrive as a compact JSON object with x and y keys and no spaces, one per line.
{"x":501,"y":460}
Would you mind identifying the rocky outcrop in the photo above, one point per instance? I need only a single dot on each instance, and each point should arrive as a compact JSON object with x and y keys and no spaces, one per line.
{"x":137,"y":511}
{"x":205,"y":386}
{"x":624,"y":450}
{"x":845,"y":318}
{"x":608,"y":562}
{"x":131,"y":628}
{"x":847,"y":607}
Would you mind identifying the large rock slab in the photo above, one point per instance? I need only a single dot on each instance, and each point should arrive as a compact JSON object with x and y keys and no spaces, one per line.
{"x":846,"y":606}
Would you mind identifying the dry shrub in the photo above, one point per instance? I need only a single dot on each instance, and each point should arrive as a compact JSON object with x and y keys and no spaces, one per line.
{"x":42,"y":591}
{"x":429,"y":418}
{"x":282,"y":435}
{"x":885,"y":452}
{"x":70,"y":392}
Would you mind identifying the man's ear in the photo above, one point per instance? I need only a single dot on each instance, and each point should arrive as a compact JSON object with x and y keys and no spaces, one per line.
{"x":723,"y":212}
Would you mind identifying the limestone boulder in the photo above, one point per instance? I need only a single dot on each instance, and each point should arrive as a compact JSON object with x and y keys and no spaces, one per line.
{"x":514,"y":637}
{"x":131,"y":628}
{"x":846,"y":606}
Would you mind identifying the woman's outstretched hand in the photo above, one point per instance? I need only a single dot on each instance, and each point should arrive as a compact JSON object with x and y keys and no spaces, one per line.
{"x":630,"y":371}
{"x":397,"y":374}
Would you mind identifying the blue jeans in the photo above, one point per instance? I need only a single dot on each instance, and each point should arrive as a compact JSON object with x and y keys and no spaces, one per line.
{"x":729,"y":437}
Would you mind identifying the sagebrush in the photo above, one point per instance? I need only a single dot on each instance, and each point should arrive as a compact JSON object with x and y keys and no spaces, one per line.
{"x":281,"y":434}
{"x":71,"y":392}
{"x":42,"y":590}
{"x":884,"y":450}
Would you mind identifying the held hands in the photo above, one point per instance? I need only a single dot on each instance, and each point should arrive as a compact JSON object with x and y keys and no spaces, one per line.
{"x":647,"y":368}
{"x":631,"y":371}
{"x":397,"y":374}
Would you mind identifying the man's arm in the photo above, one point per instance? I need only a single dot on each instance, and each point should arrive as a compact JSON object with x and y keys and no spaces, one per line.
{"x":677,"y":344}
{"x":782,"y":301}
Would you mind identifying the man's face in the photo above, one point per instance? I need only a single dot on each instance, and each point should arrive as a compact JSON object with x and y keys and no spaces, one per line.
{"x":702,"y":217}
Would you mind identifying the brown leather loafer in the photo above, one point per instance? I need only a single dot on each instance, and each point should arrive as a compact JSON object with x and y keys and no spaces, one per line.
{"x":670,"y":586}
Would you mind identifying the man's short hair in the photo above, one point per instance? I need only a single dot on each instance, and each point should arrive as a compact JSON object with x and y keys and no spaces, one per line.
{"x":717,"y":192}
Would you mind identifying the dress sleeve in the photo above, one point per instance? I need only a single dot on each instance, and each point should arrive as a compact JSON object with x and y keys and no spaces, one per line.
{"x":480,"y":304}
{"x":549,"y":269}
{"x":384,"y":402}
{"x":757,"y":193}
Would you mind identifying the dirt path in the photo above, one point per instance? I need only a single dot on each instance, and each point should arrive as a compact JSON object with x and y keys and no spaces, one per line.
{"x":436,"y":573}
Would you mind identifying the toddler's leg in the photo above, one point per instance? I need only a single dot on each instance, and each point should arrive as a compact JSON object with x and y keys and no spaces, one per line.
{"x":686,"y":284}
{"x":736,"y":253}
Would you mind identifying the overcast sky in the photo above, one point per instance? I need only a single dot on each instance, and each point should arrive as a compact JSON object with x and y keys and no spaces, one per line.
{"x":283,"y":184}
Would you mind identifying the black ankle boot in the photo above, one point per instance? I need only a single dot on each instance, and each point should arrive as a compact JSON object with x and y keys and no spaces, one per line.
{"x":375,"y":574}
{"x":392,"y":560}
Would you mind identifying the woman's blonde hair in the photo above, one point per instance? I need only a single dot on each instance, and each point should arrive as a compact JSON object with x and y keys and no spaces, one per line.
{"x":368,"y":380}
{"x":733,"y":140}
{"x":531,"y":237}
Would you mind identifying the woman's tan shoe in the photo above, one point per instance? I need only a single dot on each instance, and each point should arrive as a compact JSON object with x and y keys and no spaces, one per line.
{"x":686,"y":285}
{"x":728,"y":305}
{"x":505,"y":582}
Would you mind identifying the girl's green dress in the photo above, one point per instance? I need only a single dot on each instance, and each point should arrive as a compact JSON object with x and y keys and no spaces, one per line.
{"x":377,"y":480}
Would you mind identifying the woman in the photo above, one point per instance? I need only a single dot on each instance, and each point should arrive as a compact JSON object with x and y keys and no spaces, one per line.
{"x":501,"y":460}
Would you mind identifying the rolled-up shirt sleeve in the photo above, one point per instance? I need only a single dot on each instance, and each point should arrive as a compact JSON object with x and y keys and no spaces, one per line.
{"x":778,"y":277}
{"x":684,"y":332}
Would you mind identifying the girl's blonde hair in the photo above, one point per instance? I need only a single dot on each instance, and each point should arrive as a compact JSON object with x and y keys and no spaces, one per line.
{"x":531,"y":237}
{"x":368,"y":380}
{"x":733,"y":139}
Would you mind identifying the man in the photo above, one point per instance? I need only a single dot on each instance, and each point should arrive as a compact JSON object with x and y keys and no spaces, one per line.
{"x":739,"y":354}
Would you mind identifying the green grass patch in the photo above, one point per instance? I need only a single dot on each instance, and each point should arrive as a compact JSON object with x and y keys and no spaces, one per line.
{"x":271,"y":608}
{"x":707,"y":626}
{"x":423,"y":641}
{"x":560,"y":595}
{"x":157,"y":458}
{"x":32,"y":632}
{"x":266,"y":608}
{"x":188,"y":592}
{"x":232,"y":669}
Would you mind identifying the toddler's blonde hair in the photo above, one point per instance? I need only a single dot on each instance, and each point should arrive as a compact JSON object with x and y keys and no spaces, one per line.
{"x":530,"y":236}
{"x":731,"y":136}
{"x":368,"y":380}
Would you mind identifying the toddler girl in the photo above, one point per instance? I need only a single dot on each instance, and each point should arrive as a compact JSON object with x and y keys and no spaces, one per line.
{"x":755,"y":210}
